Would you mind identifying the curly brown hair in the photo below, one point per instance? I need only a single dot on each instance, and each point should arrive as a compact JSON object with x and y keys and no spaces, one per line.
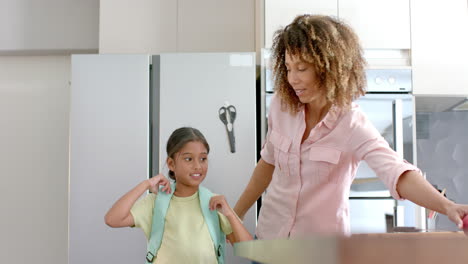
{"x":332,"y":48}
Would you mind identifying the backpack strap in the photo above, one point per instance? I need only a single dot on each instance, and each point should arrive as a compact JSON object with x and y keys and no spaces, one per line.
{"x":212,"y":221}
{"x":161,"y":204}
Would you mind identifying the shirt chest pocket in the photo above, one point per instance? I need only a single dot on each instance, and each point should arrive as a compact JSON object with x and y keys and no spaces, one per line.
{"x":324,"y":163}
{"x":281,"y":145}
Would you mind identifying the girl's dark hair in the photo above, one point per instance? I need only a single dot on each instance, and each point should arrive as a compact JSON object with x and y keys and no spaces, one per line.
{"x":332,"y":48}
{"x":179,"y":138}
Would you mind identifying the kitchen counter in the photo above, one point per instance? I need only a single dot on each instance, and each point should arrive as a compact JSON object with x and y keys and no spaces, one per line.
{"x":417,"y":247}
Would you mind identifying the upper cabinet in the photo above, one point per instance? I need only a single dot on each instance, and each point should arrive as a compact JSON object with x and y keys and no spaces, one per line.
{"x":48,"y":26}
{"x":145,"y":26}
{"x":156,"y":26}
{"x":279,"y":13}
{"x":383,"y":24}
{"x":439,"y":41}
{"x":216,"y":26}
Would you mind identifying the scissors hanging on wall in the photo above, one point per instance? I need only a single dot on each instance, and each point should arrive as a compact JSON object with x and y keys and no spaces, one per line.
{"x":227,"y":114}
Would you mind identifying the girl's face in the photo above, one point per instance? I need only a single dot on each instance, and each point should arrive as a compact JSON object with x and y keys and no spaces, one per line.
{"x":190,"y":165}
{"x":303,"y":79}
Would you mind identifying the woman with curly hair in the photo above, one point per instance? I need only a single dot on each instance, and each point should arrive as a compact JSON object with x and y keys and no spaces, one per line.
{"x":317,"y":136}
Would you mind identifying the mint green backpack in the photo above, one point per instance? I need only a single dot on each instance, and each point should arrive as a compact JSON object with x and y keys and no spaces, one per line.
{"x":161,"y":205}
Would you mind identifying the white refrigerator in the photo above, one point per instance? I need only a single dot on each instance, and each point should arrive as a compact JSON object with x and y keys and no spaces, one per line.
{"x":123,"y":109}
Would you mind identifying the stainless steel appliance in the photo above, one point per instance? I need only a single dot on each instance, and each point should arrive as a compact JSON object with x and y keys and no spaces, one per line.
{"x":123,"y":109}
{"x":389,"y":105}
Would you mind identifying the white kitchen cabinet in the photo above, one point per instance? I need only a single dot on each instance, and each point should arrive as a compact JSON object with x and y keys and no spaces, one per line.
{"x":145,"y":26}
{"x":157,"y":26}
{"x":279,"y":13}
{"x":215,"y":26}
{"x":48,"y":26}
{"x":439,"y":40}
{"x":383,"y":24}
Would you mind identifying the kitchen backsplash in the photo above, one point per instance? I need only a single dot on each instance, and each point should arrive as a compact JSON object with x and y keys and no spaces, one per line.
{"x":442,"y":153}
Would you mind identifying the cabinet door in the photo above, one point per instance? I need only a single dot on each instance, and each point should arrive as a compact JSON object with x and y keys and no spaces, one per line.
{"x":383,"y":24}
{"x":439,"y":47}
{"x":215,"y":26}
{"x":48,"y":26}
{"x":148,"y":26}
{"x":279,"y":13}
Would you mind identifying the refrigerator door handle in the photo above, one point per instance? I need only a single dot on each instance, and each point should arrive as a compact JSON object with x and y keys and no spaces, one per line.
{"x":398,"y":126}
{"x":397,"y":111}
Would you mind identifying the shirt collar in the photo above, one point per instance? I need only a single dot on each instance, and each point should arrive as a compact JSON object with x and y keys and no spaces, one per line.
{"x":330,"y":118}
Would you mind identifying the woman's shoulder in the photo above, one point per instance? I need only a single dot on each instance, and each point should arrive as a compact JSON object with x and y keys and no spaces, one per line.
{"x":277,"y":104}
{"x":275,"y":101}
{"x":279,"y":111}
{"x":360,"y":127}
{"x":353,"y":121}
{"x":355,"y":115}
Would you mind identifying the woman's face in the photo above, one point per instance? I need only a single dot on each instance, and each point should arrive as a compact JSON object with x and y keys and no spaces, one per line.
{"x":303,"y":79}
{"x":190,"y":164}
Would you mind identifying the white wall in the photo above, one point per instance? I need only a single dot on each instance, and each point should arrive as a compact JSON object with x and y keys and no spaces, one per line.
{"x":34,"y":107}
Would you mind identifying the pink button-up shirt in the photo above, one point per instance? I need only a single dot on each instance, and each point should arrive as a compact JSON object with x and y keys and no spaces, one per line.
{"x":310,"y":186}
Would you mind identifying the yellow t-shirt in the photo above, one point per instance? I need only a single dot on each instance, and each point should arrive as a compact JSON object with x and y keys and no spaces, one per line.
{"x":186,"y":238}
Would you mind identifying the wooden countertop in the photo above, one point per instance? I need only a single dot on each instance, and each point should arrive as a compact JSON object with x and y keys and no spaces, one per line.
{"x":418,"y":247}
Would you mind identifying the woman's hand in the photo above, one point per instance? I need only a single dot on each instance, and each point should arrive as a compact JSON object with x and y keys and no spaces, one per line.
{"x":218,"y":202}
{"x":157,"y":180}
{"x":456,"y":212}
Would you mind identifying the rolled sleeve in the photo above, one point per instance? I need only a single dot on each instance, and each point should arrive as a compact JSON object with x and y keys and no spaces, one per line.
{"x":268,"y":152}
{"x":399,"y":171}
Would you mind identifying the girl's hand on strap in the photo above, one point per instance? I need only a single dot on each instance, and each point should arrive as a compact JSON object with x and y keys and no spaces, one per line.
{"x":218,"y":202}
{"x":157,"y":180}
